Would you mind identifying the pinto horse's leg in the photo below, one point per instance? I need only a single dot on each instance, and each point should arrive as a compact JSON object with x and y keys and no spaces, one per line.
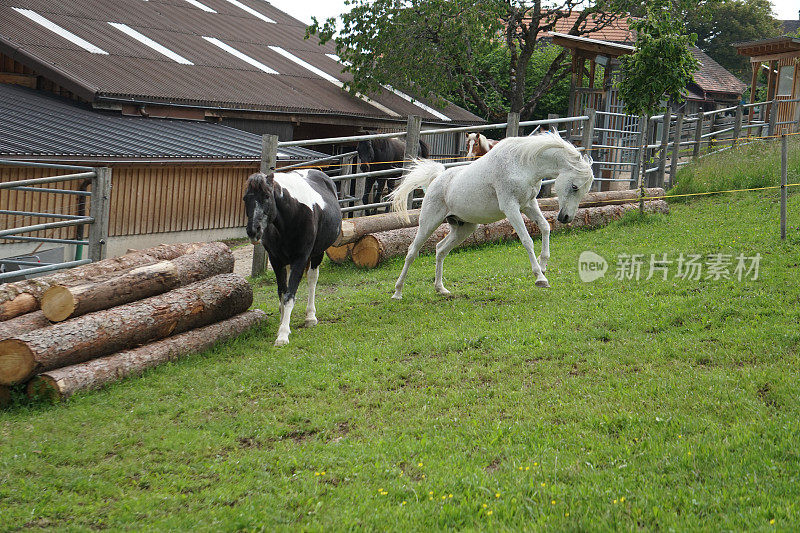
{"x":288,"y":301}
{"x":511,"y":209}
{"x":456,"y":236}
{"x":312,"y":276}
{"x":280,"y":282}
{"x":430,"y":217}
{"x":534,"y":213}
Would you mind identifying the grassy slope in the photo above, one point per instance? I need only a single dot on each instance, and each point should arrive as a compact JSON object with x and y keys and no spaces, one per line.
{"x":532,"y":408}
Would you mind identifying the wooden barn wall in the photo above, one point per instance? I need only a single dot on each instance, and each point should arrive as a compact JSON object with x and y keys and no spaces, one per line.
{"x":144,"y":199}
{"x":786,"y":110}
{"x":147,"y":199}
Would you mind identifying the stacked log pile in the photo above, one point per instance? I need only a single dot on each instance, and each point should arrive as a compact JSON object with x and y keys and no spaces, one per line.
{"x":371,"y":240}
{"x":107,"y":320}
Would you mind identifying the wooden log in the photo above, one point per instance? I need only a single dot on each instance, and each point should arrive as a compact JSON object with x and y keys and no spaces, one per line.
{"x":23,"y":324}
{"x":340,"y":254}
{"x":104,"y":332}
{"x":372,"y":250}
{"x":62,"y":383}
{"x":23,"y":296}
{"x":355,"y":228}
{"x":61,"y":302}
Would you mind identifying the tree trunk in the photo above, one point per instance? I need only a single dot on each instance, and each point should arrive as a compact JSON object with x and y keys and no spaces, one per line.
{"x":62,"y":383}
{"x":372,"y":250}
{"x":355,"y":228}
{"x":22,"y":297}
{"x":126,"y":326}
{"x":61,"y":302}
{"x":23,"y":324}
{"x":599,"y":199}
{"x":340,"y":254}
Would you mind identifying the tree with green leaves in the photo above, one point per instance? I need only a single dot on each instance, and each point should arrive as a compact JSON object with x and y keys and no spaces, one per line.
{"x":485,"y":54}
{"x":661,"y":66}
{"x":720,"y":23}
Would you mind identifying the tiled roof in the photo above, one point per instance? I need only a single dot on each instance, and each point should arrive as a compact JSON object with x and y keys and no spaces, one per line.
{"x":713,"y":77}
{"x":240,"y":54}
{"x":38,"y":124}
{"x":616,"y":32}
{"x":790,"y":27}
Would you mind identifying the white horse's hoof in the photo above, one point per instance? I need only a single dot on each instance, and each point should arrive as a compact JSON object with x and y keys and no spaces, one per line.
{"x":542,"y":283}
{"x":310,"y":322}
{"x":443,"y":291}
{"x":281,"y":342}
{"x":397,"y":296}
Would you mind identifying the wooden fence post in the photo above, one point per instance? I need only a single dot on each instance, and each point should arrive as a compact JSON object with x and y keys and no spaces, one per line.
{"x":99,"y":208}
{"x":676,"y":148}
{"x":414,"y":125}
{"x":640,"y":140}
{"x":737,"y":125}
{"x":662,"y":162}
{"x":698,"y":135}
{"x":773,"y":118}
{"x":512,"y":125}
{"x":784,"y":178}
{"x":269,"y":161}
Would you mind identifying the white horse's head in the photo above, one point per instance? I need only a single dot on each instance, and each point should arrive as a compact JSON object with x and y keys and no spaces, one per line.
{"x":573,"y":181}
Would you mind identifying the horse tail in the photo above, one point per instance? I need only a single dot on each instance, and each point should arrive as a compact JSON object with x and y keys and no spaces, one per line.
{"x":421,"y":175}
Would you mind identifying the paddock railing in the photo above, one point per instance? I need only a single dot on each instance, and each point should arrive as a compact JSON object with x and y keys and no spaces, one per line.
{"x":62,"y":197}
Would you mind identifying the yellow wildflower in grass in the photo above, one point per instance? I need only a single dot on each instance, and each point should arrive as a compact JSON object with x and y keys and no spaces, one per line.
{"x":772,"y":521}
{"x":552,"y":502}
{"x":485,"y":506}
{"x":430,"y":497}
{"x":680,"y":436}
{"x":527,"y":468}
{"x":444,"y":496}
{"x":566,"y":514}
{"x":622,"y":499}
{"x":535,"y":464}
{"x":496,"y":494}
{"x":419,"y":464}
{"x":430,"y":493}
{"x":322,"y":473}
{"x":615,"y":502}
{"x":404,"y":502}
{"x":449,"y":495}
{"x":316,"y":473}
{"x":423,"y":476}
{"x":520,"y":468}
{"x":688,"y":453}
{"x":544,"y":484}
{"x":489,"y":512}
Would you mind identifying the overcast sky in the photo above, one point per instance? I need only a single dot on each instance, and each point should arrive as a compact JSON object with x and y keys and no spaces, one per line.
{"x":322,"y":9}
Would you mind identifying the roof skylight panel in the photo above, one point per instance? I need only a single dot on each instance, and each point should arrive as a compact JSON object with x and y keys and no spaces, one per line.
{"x":204,"y":7}
{"x":244,"y":57}
{"x":147,"y":41}
{"x":251,"y":11}
{"x":324,"y":75}
{"x":403,"y":95}
{"x":55,"y":28}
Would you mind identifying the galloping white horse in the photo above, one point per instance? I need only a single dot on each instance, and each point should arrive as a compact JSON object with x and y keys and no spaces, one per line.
{"x":502,"y":184}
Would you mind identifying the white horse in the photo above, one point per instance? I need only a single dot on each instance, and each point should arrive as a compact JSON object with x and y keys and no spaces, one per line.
{"x":502,"y":184}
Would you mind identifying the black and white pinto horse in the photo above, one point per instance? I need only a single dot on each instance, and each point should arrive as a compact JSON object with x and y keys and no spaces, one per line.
{"x":296,"y":216}
{"x":383,"y":154}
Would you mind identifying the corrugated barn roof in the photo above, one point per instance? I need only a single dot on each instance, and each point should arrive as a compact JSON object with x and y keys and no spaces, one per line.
{"x":241,"y":54}
{"x":37,"y":124}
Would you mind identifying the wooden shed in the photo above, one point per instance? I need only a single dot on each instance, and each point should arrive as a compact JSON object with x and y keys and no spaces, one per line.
{"x":778,"y":58}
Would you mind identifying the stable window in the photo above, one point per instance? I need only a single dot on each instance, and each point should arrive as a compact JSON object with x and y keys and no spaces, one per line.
{"x":785,"y":80}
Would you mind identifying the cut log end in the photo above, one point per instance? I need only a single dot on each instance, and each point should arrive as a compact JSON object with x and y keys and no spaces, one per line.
{"x":58,"y":303}
{"x":44,"y":388}
{"x":24,"y":303}
{"x":16,"y":361}
{"x":339,"y":254}
{"x":367,"y":252}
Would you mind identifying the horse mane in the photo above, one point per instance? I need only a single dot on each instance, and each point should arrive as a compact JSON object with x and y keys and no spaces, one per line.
{"x":528,"y":149}
{"x":260,"y":182}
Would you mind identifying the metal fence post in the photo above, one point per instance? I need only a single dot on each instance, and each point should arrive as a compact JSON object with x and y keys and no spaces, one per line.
{"x":414,"y":125}
{"x":784,"y":178}
{"x":99,"y":208}
{"x":676,"y":148}
{"x":269,"y":161}
{"x":587,"y":139}
{"x":773,"y":118}
{"x":512,"y":125}
{"x":698,"y":135}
